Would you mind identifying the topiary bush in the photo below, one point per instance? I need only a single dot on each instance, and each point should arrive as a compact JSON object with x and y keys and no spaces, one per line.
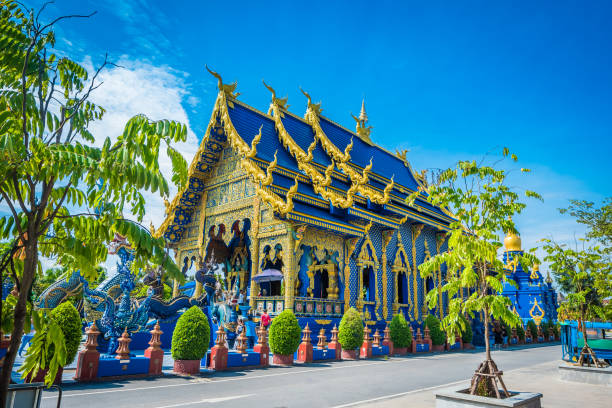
{"x":191,"y":335}
{"x":520,"y":332}
{"x":69,"y":320}
{"x":467,"y":335}
{"x":438,"y":337}
{"x":533,"y":328}
{"x":350,"y":332}
{"x":400,"y":332}
{"x":285,"y":333}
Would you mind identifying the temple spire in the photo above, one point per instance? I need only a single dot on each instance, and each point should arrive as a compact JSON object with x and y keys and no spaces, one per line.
{"x":363,"y":116}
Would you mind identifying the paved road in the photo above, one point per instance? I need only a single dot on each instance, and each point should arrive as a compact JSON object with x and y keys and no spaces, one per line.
{"x":337,"y":384}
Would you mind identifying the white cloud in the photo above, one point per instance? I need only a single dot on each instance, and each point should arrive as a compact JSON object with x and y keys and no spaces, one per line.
{"x":155,"y":91}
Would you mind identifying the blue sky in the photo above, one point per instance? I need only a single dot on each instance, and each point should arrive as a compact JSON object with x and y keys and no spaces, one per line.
{"x":448,"y":80}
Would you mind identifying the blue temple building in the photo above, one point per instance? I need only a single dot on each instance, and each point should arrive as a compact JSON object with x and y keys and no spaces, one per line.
{"x":533,"y":298}
{"x":301,"y":213}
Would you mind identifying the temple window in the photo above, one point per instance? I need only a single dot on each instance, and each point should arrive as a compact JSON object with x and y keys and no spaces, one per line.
{"x":369,"y":291}
{"x":402,"y":288}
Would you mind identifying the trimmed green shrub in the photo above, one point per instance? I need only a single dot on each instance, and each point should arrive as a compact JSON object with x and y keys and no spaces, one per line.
{"x":285,"y":333}
{"x":533,"y":328}
{"x":350,"y":332}
{"x":520,"y":332}
{"x":438,"y":337}
{"x":400,"y":332}
{"x":467,"y":335}
{"x":69,"y":320}
{"x":191,"y":335}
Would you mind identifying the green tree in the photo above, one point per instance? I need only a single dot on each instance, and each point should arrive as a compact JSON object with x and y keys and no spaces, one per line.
{"x":585,"y":277}
{"x":597,"y":220}
{"x":67,"y":195}
{"x":483,"y":205}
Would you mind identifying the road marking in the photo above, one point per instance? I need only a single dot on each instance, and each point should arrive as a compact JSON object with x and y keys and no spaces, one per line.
{"x":201,"y":380}
{"x":208,"y":400}
{"x":401,"y":394}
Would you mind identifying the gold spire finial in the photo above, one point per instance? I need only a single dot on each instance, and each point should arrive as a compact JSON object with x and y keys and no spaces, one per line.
{"x":512,"y":242}
{"x":362,"y":130}
{"x":363,"y":116}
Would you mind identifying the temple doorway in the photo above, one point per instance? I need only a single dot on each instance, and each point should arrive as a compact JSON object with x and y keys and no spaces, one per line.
{"x":402,"y":288}
{"x":369,"y":291}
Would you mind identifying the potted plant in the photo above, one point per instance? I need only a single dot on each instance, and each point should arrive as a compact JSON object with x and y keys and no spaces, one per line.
{"x":401,"y":334}
{"x":520,"y":332}
{"x":65,"y":319}
{"x":285,"y":333}
{"x":350,"y":334}
{"x":438,"y":337}
{"x":467,"y":335}
{"x":190,"y":341}
{"x":533,"y":329}
{"x":483,"y":212}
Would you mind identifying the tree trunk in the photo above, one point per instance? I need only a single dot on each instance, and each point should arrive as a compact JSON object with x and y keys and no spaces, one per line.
{"x":586,"y":353}
{"x":29,"y":270}
{"x":486,"y":334}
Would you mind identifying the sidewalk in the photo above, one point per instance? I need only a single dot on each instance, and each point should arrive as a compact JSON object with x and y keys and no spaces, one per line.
{"x":542,"y":378}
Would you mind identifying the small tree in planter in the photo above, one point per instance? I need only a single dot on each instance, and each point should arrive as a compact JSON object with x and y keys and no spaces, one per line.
{"x":190,"y":341}
{"x":438,"y":337}
{"x":43,"y":350}
{"x":483,"y":206}
{"x":285,"y":333}
{"x":533,"y":329}
{"x":585,"y":277}
{"x":466,"y":334}
{"x":350,"y":334}
{"x":400,"y":333}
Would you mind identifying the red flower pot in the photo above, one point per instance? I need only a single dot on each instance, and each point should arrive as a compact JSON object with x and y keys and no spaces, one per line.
{"x":468,"y":346}
{"x":437,"y":347}
{"x":350,"y":354}
{"x":40,"y":376}
{"x":282,"y":359}
{"x":400,"y":351}
{"x":187,"y":367}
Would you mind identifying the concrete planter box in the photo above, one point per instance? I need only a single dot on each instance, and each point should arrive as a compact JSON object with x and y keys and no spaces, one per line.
{"x":589,"y":375}
{"x":282,"y":359}
{"x":187,"y":367}
{"x":453,"y":398}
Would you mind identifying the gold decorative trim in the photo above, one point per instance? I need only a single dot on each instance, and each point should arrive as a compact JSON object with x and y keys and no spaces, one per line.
{"x":416,"y":231}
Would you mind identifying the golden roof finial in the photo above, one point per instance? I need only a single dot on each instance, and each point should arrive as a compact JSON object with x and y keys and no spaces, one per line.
{"x":227,"y":89}
{"x":361,"y":129}
{"x":280,"y":102}
{"x":363,"y":116}
{"x":314,"y":107}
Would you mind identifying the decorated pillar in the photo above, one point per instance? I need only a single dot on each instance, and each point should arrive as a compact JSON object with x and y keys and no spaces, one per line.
{"x":305,"y":348}
{"x":218,"y":354}
{"x":255,"y":251}
{"x":262,"y":346}
{"x":387,"y":339}
{"x":440,"y":238}
{"x":386,"y":238}
{"x":154,"y":352}
{"x":334,"y":344}
{"x":123,"y":351}
{"x":366,"y":346}
{"x":89,"y":358}
{"x":416,"y":231}
{"x":291,"y":271}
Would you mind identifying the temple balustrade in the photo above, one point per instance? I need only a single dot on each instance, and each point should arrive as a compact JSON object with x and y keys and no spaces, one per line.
{"x":272,"y":304}
{"x":308,"y":306}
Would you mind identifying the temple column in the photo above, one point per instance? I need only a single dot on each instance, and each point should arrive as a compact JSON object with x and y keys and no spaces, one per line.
{"x":201,"y":243}
{"x":255,"y":252}
{"x":386,"y":238}
{"x":416,"y":231}
{"x":291,"y":272}
{"x":175,"y":285}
